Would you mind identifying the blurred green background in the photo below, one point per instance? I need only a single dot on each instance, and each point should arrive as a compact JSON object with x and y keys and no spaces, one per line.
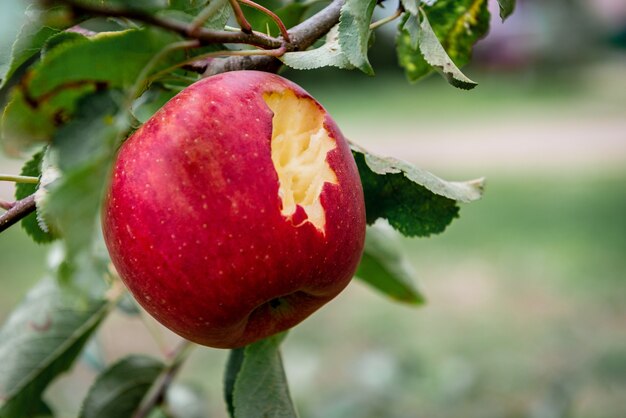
{"x":525,"y":314}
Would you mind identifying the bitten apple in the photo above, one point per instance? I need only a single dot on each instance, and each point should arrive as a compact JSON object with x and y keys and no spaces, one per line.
{"x":236,"y":211}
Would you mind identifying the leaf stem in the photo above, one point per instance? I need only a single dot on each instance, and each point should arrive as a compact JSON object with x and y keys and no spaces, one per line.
{"x":142,"y":78}
{"x":385,"y":20}
{"x":240,"y":17}
{"x":157,"y":393}
{"x":302,"y":36}
{"x":19,"y":210}
{"x":272,"y":15}
{"x":19,"y":179}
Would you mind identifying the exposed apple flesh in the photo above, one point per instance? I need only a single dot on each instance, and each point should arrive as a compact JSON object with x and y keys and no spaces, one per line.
{"x":300,"y":144}
{"x":236,"y":211}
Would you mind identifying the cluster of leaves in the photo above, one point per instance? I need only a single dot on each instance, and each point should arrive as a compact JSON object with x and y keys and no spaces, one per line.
{"x":434,"y":36}
{"x":65,"y":92}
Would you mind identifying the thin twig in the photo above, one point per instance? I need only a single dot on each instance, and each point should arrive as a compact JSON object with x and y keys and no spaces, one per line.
{"x":206,"y":36}
{"x":18,"y":211}
{"x":157,"y":393}
{"x":272,"y":15}
{"x":6,"y":205}
{"x":241,"y":18}
{"x":142,"y":79}
{"x":301,"y":37}
{"x":19,"y":179}
{"x":385,"y":20}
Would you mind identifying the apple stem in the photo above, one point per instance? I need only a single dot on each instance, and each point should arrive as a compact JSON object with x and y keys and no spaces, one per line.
{"x":272,"y":15}
{"x":156,"y":395}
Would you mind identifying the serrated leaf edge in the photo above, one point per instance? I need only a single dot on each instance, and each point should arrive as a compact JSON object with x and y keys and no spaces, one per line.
{"x":472,"y":188}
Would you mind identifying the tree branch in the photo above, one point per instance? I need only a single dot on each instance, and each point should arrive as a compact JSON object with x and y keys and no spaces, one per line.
{"x":187,"y":30}
{"x":301,"y":36}
{"x":19,"y":210}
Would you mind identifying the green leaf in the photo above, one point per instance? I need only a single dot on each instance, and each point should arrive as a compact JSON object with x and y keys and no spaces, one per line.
{"x":32,"y":36}
{"x":506,"y":8}
{"x":48,"y":97}
{"x":84,"y":151}
{"x":60,"y":38}
{"x":436,"y":57}
{"x":119,"y":390}
{"x":145,"y":5}
{"x":24,"y":123}
{"x":255,"y":382}
{"x":411,"y":6}
{"x":411,"y":26}
{"x":221,"y":12}
{"x":188,"y":6}
{"x":354,"y":32}
{"x":328,"y":55}
{"x":40,"y":340}
{"x":151,"y":101}
{"x":218,"y":13}
{"x":22,"y":190}
{"x":384,"y":266}
{"x":35,"y":409}
{"x":233,"y":366}
{"x":414,"y":201}
{"x":458,"y":24}
{"x":121,"y":56}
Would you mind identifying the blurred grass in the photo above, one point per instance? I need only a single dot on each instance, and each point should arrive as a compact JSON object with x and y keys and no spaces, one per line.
{"x":526,"y":290}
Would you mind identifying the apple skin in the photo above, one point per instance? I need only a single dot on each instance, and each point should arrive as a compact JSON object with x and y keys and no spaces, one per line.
{"x":192,"y":218}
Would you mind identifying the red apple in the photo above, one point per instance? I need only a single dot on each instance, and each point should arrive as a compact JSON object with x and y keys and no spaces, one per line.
{"x":236,"y":211}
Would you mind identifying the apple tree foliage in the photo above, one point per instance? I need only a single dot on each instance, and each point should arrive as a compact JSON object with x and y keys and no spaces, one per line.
{"x":83,"y":74}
